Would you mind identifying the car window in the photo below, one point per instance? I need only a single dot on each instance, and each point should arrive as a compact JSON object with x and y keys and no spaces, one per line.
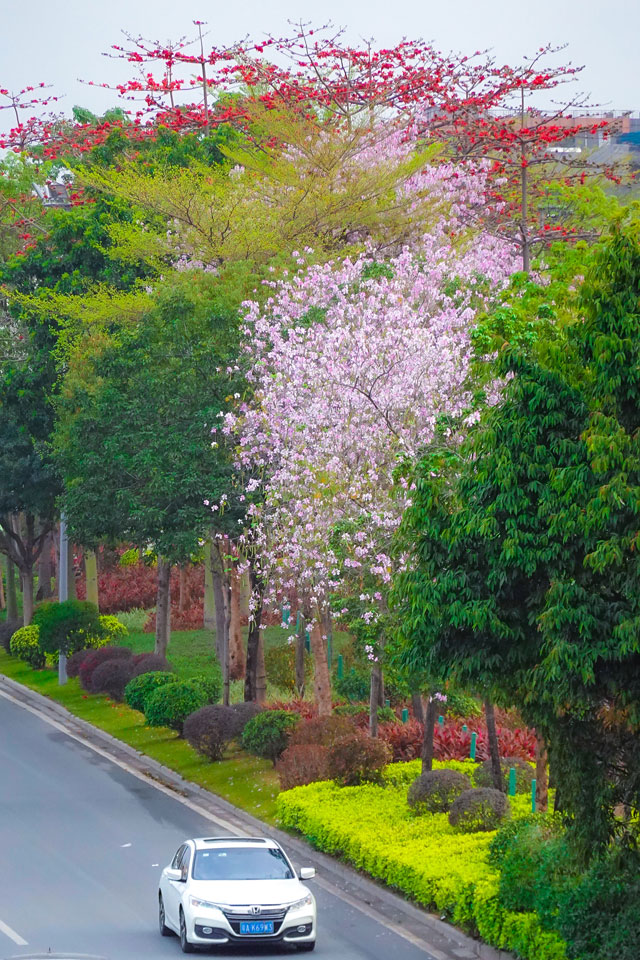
{"x":175,"y":863}
{"x":241,"y":863}
{"x":184,"y":862}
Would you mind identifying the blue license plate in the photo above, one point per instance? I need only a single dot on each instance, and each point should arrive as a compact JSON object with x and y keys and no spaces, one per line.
{"x":256,"y":927}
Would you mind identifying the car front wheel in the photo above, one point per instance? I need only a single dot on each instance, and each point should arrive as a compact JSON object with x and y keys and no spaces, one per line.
{"x":186,"y":945}
{"x":164,"y":929}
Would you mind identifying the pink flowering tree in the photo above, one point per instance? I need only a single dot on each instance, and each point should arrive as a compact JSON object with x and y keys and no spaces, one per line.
{"x":355,"y":365}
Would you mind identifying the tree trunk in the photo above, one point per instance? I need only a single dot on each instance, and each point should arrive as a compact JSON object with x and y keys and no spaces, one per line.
{"x":3,"y":602}
{"x":91,"y":574}
{"x":71,"y":574}
{"x":26,"y":576}
{"x":261,"y":673}
{"x":321,"y":678}
{"x":182,"y":594}
{"x":163,"y":607}
{"x":300,"y":651}
{"x":417,"y":706}
{"x":209,"y":597}
{"x":427,"y":739}
{"x":219,"y":590}
{"x":542,"y":776}
{"x":253,"y":641}
{"x":12,"y":593}
{"x":45,"y":570}
{"x":236,"y":640}
{"x":494,"y":747}
{"x":374,"y":699}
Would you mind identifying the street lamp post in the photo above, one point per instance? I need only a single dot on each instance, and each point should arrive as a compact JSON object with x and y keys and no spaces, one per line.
{"x":63,"y":589}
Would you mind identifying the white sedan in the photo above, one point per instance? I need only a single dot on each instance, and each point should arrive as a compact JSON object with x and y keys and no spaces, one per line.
{"x":220,"y":890}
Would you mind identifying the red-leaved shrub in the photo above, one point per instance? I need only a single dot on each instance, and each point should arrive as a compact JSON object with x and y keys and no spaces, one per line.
{"x":111,"y":677}
{"x":95,"y":657}
{"x":149,"y":663}
{"x":301,"y":764}
{"x":358,"y":759}
{"x":451,"y":742}
{"x":322,"y":731}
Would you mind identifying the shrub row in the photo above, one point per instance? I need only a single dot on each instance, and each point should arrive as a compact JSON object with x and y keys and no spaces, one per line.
{"x":425,"y":857}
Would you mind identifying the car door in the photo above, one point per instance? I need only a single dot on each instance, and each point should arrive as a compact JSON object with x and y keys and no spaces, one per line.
{"x":173,"y":889}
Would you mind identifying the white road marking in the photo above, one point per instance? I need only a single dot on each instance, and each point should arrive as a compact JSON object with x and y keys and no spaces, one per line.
{"x":6,"y":929}
{"x":123,"y":845}
{"x":227,"y":825}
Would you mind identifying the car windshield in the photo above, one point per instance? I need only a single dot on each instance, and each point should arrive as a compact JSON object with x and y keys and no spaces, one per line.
{"x":241,"y":863}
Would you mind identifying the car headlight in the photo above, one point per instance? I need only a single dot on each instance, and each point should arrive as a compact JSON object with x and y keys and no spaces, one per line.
{"x":299,"y":904}
{"x":206,"y":904}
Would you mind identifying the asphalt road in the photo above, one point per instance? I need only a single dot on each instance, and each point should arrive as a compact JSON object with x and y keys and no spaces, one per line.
{"x":82,"y":843}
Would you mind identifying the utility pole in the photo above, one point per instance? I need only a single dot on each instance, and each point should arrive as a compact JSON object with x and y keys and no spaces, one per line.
{"x":63,"y":589}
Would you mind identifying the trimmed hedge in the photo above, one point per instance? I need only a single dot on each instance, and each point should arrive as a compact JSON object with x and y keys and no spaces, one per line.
{"x":93,"y":660}
{"x":481,"y":809}
{"x":111,"y":677}
{"x":138,"y":689}
{"x":424,"y":857}
{"x":211,"y":728}
{"x":171,"y":704}
{"x":267,"y":734}
{"x":25,"y":645}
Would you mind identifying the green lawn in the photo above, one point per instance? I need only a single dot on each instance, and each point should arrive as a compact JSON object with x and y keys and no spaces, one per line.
{"x":246,"y":781}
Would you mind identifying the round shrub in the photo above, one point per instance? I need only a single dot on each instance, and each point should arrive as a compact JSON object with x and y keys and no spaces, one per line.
{"x":435,"y":790}
{"x":75,"y":661}
{"x":211,"y":728}
{"x":525,"y":773}
{"x":321,"y":730}
{"x":25,"y":644}
{"x":358,"y":759}
{"x":246,"y":711}
{"x":66,"y":626}
{"x":302,"y":763}
{"x":267,"y":734}
{"x":111,"y":677}
{"x":280,"y":667}
{"x":139,"y":688}
{"x":150,"y":663}
{"x":95,"y":657}
{"x":481,"y":809}
{"x":211,"y":685}
{"x":171,"y":704}
{"x":353,"y":686}
{"x":7,"y":630}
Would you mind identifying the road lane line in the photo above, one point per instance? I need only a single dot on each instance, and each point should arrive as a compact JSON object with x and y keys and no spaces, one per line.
{"x":6,"y":929}
{"x":227,"y":825}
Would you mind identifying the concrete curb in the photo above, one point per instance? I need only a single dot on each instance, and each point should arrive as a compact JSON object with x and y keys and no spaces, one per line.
{"x":442,"y":940}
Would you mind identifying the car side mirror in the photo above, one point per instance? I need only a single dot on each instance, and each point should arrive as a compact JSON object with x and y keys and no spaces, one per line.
{"x":307,"y":873}
{"x":172,"y":874}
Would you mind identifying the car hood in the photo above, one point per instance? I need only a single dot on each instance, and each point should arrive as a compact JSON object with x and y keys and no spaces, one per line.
{"x":247,"y":892}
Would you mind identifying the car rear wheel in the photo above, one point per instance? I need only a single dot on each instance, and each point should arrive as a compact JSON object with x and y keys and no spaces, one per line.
{"x":306,"y":947}
{"x":164,"y":929}
{"x":186,"y":945}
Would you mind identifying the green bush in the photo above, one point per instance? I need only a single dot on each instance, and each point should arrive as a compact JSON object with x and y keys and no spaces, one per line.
{"x":385,"y":714}
{"x":353,"y":686}
{"x":138,"y":689}
{"x":481,"y":809}
{"x":435,"y":791}
{"x":280,"y":667}
{"x":111,"y":631}
{"x":519,"y":851}
{"x":211,"y":685}
{"x":525,"y":773}
{"x":266,"y":735}
{"x":358,"y":759}
{"x":460,"y":704}
{"x":65,"y":627}
{"x":171,"y":704}
{"x":25,"y":644}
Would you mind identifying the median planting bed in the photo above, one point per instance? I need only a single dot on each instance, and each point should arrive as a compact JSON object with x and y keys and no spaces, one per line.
{"x":372,"y":827}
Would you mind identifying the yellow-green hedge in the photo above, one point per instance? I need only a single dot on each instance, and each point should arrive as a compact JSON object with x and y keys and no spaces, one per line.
{"x":373,"y":828}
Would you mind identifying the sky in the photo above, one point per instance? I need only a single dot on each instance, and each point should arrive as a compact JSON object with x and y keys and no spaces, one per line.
{"x":60,"y":44}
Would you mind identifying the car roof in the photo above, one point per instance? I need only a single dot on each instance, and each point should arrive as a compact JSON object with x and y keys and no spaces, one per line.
{"x":205,"y":843}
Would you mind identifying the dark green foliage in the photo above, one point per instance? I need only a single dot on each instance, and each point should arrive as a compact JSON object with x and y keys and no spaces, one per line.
{"x":138,"y":689}
{"x":210,"y":685}
{"x":358,"y":759}
{"x":111,"y":677}
{"x":523,"y":850}
{"x":525,"y":774}
{"x":435,"y":791}
{"x":481,"y":809}
{"x":66,"y":626}
{"x":7,"y":630}
{"x":280,"y":666}
{"x":170,"y":704}
{"x":210,"y":729}
{"x":353,"y":686}
{"x":267,"y":734}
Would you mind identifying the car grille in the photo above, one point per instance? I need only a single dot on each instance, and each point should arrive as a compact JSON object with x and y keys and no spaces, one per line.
{"x":238,"y":915}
